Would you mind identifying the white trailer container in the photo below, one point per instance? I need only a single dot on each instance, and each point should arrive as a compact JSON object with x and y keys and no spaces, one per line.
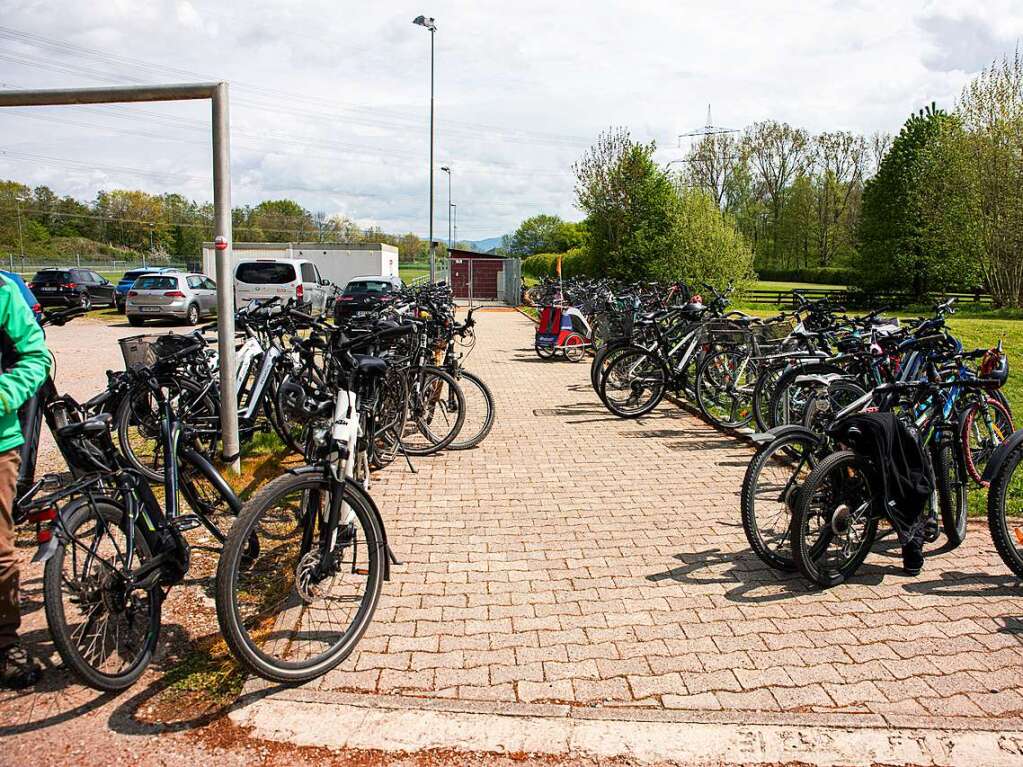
{"x":337,"y":262}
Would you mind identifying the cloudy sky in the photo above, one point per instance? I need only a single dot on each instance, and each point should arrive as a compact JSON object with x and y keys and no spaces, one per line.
{"x":329,"y":100}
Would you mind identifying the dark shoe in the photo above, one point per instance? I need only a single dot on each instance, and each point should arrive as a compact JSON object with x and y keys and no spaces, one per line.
{"x":913,"y":557}
{"x":18,"y":669}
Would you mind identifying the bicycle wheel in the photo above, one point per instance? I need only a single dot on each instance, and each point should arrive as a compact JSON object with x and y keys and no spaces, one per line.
{"x":724,"y":388}
{"x":789,"y":399}
{"x":985,"y":427}
{"x":1005,"y":511}
{"x":544,"y":352}
{"x":284,"y":617}
{"x":950,"y":478}
{"x":770,"y":489}
{"x":479,"y":412}
{"x":602,"y":361}
{"x":105,"y":634}
{"x":436,"y":412}
{"x":821,"y":407}
{"x":138,"y":421}
{"x":575,"y":347}
{"x":634,"y":383}
{"x":389,"y":419}
{"x":833,"y":524}
{"x":762,"y":391}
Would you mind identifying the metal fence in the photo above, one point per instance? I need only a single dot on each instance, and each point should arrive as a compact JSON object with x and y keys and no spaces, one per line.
{"x":29,"y":267}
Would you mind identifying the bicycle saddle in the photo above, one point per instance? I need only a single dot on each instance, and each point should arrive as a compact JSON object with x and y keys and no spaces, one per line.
{"x":97,"y":424}
{"x":367,"y":363}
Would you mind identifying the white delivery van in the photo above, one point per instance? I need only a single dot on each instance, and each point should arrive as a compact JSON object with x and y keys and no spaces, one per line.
{"x":337,"y":262}
{"x":259,"y":279}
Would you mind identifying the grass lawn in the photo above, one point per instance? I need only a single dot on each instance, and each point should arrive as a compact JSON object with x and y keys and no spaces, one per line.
{"x":768,"y":285}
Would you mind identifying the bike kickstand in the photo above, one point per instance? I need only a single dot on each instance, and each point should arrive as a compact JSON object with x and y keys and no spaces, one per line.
{"x":408,"y":460}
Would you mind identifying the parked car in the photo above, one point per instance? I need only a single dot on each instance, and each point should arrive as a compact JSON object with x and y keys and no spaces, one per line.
{"x":173,"y":295}
{"x":363,"y":295}
{"x":27,"y":294}
{"x":126,"y":281}
{"x":374,"y":283}
{"x":72,"y":287}
{"x":261,"y":279}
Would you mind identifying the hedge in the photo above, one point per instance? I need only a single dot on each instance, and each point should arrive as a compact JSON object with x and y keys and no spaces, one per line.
{"x":819,"y":275}
{"x":574,"y":263}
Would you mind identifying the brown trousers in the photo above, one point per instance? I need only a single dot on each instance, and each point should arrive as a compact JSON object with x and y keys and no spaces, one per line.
{"x":10,"y":613}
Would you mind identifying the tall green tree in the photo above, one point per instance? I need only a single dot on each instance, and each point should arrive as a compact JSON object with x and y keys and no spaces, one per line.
{"x":896,"y":251}
{"x":628,"y":200}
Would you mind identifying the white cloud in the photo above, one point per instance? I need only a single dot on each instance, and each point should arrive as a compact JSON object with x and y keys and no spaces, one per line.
{"x":329,"y":100}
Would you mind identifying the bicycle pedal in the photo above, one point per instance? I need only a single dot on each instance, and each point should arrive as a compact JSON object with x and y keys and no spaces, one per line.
{"x":186,"y":522}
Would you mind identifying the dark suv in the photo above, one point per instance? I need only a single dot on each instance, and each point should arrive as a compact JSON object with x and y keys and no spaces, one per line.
{"x":72,"y":287}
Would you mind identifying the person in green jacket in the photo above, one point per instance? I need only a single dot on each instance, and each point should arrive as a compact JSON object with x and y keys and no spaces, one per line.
{"x":24,"y":365}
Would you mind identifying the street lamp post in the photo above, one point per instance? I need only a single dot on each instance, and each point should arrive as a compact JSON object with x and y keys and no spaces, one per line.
{"x":429,"y":23}
{"x":454,"y":211}
{"x":447,"y":170}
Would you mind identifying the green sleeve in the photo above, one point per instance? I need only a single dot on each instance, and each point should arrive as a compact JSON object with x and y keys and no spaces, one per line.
{"x":21,"y":380}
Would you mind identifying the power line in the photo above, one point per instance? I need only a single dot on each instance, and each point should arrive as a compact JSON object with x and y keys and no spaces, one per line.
{"x":377,"y":116}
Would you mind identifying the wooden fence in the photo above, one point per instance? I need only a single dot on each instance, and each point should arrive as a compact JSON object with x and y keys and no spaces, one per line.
{"x":856,"y":298}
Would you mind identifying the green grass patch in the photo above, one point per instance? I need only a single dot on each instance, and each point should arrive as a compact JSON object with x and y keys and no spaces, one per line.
{"x":769,"y":285}
{"x":210,"y":671}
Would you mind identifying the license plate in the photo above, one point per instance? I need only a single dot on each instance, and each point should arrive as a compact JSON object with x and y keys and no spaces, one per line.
{"x":47,"y":290}
{"x":150,"y":308}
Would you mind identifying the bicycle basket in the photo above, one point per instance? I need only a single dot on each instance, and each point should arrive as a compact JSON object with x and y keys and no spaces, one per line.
{"x":775,"y":331}
{"x":144,"y":351}
{"x":726,"y":332}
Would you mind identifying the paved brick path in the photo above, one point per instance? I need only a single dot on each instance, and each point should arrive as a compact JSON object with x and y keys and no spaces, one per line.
{"x":579,"y":558}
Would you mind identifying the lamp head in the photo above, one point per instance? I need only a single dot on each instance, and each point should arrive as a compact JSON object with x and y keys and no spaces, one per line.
{"x":426,"y":21}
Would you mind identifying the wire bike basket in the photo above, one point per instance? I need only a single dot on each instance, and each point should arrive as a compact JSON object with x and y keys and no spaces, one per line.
{"x":146,"y":350}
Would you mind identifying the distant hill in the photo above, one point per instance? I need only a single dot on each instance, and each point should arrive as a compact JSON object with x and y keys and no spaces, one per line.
{"x":484,"y":246}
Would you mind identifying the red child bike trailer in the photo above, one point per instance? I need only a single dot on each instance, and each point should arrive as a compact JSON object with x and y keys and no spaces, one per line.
{"x":562,"y":329}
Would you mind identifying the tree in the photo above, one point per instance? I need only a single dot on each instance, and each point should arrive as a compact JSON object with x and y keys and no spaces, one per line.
{"x":628,"y":201}
{"x":991,"y":146}
{"x":706,"y":246}
{"x":896,"y":252}
{"x":838,"y":161}
{"x":712,"y":164}
{"x":777,"y":155}
{"x":544,"y":233}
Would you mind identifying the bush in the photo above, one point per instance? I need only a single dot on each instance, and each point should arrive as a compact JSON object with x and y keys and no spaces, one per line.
{"x":818,"y":275}
{"x":575,"y":263}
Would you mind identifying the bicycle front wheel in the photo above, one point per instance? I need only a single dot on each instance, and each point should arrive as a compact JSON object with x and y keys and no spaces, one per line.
{"x":286,"y":615}
{"x":1005,"y":511}
{"x":479,"y":412}
{"x":834,"y":523}
{"x":103,"y":632}
{"x":436,"y":413}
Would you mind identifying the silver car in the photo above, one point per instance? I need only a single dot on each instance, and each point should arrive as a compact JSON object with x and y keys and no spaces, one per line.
{"x":184,"y":296}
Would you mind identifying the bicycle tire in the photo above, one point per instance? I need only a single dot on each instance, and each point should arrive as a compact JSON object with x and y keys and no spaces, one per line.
{"x":776,"y":414}
{"x":1008,"y":539}
{"x":54,"y":581}
{"x":778,"y":557}
{"x":950,"y":481}
{"x":976,"y":460}
{"x":804,"y":554}
{"x":704,"y":394}
{"x":126,"y":411}
{"x":635,"y":355}
{"x":472,"y":440}
{"x":234,"y":558}
{"x":436,"y":443}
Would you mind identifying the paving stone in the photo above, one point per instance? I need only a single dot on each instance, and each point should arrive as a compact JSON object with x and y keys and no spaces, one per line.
{"x":614,"y":571}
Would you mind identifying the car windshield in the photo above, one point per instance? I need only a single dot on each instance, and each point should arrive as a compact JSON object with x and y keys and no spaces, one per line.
{"x":132,"y":276}
{"x":367,"y":286}
{"x":265,"y":273}
{"x":153,"y":282}
{"x":52,"y":276}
